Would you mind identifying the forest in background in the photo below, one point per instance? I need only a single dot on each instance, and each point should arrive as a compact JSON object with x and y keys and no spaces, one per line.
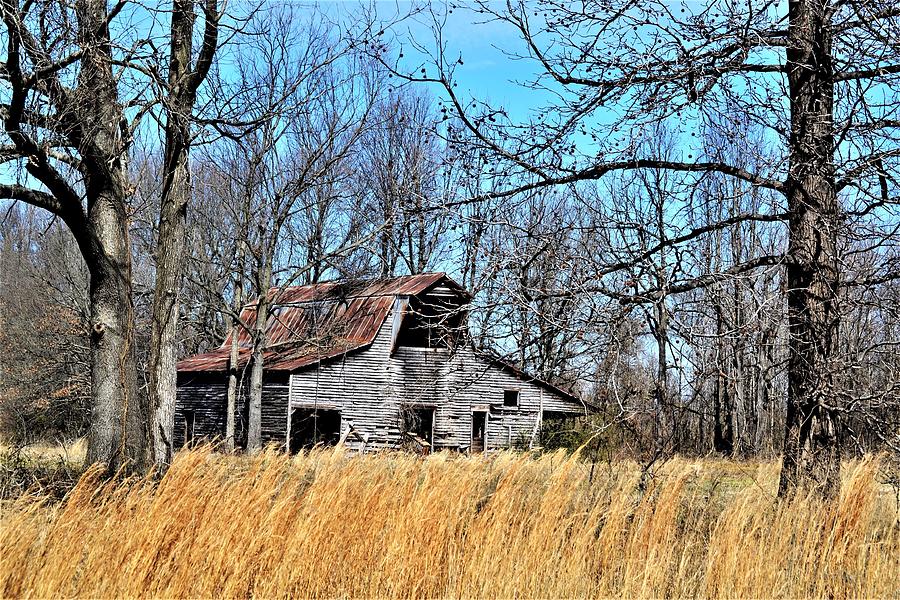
{"x":660,"y":292}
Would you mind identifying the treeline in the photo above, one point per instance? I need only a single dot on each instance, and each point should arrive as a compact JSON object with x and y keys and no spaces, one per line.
{"x":658,"y":238}
{"x":694,"y":372}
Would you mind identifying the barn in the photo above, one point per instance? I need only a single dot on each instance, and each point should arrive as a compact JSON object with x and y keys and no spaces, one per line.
{"x":375,"y":364}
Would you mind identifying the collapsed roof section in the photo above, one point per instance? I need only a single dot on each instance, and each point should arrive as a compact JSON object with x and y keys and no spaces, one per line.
{"x":310,"y":323}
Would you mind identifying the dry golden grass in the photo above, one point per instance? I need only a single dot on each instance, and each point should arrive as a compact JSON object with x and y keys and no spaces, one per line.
{"x":72,"y":452}
{"x":330,"y":524}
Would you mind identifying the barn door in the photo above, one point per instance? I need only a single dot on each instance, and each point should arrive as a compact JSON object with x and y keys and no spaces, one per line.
{"x":417,"y":427}
{"x":479,"y":431}
{"x":311,"y":428}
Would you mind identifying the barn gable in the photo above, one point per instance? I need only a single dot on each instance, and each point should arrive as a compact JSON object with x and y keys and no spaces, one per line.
{"x":310,"y":323}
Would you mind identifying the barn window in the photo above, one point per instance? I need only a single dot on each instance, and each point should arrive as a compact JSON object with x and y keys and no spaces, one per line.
{"x":188,"y":427}
{"x":511,"y":398}
{"x":431,"y":323}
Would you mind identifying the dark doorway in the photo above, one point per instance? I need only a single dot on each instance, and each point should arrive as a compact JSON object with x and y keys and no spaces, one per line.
{"x":242,"y":420}
{"x":314,"y":426}
{"x":418,"y":425}
{"x":479,"y":431}
{"x":189,"y":418}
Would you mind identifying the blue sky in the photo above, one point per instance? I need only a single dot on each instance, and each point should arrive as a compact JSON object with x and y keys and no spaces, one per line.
{"x":486,"y":73}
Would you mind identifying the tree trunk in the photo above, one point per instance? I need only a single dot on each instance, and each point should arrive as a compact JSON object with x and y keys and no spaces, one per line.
{"x":234,"y":361}
{"x":235,"y":380}
{"x":169,"y":274}
{"x":663,"y":435}
{"x":661,"y":333}
{"x":254,"y":418}
{"x":811,"y":451}
{"x":118,"y":436}
{"x":723,"y":435}
{"x":176,"y":192}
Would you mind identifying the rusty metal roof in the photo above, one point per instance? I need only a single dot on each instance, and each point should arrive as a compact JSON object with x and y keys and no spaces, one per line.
{"x":316,"y":322}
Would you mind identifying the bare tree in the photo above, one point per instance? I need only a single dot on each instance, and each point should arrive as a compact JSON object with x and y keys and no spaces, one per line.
{"x":302,"y":86}
{"x":184,"y":79}
{"x":821,"y":77}
{"x":401,"y":179}
{"x":67,"y":129}
{"x":44,"y":330}
{"x":83,"y":78}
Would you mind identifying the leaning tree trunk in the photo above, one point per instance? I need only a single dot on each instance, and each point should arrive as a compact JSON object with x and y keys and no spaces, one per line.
{"x":176,"y":192}
{"x":811,"y":451}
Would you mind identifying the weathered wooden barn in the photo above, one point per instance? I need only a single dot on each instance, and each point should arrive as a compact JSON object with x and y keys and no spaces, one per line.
{"x":376,"y":364}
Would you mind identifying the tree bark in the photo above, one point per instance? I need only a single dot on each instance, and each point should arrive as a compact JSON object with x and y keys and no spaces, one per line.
{"x":661,"y":391}
{"x":183,"y":83}
{"x":254,"y":413}
{"x":118,"y":436}
{"x":723,"y":435}
{"x":169,"y":274}
{"x":234,"y":358}
{"x":663,"y":437}
{"x":811,"y":450}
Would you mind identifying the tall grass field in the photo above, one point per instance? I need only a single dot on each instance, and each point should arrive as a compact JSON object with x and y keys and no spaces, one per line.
{"x":331,"y":524}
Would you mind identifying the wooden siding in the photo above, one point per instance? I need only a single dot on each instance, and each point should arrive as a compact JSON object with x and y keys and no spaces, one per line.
{"x":275,"y":410}
{"x":207,"y":396}
{"x":359,"y":385}
{"x":419,"y":378}
{"x":370,"y":387}
{"x":476,"y":382}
